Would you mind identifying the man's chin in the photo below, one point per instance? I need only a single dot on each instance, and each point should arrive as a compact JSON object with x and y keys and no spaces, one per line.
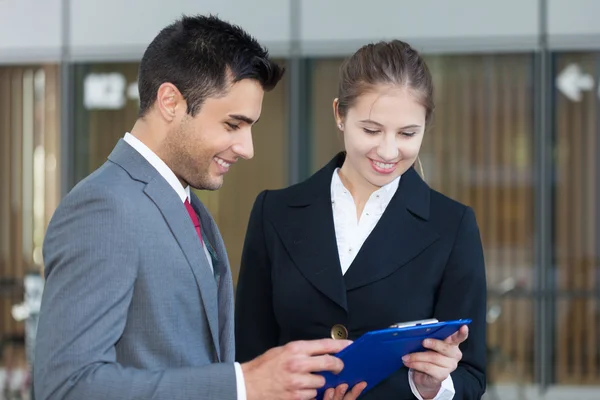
{"x":212,"y":185}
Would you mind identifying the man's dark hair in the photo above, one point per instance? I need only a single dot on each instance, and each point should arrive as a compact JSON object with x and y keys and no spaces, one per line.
{"x":201,"y":56}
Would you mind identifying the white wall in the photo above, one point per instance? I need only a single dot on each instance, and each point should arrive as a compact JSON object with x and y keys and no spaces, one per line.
{"x":114,"y":28}
{"x":574,"y":24}
{"x":30,"y":30}
{"x":432,"y":25}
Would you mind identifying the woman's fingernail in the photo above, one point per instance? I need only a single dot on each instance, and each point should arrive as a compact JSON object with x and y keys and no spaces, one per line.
{"x":405,"y":358}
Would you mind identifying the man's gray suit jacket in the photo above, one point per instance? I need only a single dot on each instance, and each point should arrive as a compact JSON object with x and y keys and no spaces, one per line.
{"x":131,"y":308}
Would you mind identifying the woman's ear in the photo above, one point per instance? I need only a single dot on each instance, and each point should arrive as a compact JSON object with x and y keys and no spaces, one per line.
{"x":336,"y":115}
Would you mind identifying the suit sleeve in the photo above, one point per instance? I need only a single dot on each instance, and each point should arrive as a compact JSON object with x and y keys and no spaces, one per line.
{"x":462,"y":294}
{"x":92,"y":258}
{"x":256,"y":329}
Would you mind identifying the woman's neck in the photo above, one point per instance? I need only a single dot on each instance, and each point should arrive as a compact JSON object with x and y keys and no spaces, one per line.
{"x":360,"y":189}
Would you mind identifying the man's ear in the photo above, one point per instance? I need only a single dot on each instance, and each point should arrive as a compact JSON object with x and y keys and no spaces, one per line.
{"x":169,"y":101}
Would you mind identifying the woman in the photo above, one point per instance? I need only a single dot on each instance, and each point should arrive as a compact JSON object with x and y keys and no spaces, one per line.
{"x":365,"y":243}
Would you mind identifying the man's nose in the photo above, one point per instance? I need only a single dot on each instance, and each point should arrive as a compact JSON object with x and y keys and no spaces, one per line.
{"x":244,"y":148}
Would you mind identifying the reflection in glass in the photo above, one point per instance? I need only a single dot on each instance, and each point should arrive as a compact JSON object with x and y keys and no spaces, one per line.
{"x":576,"y":235}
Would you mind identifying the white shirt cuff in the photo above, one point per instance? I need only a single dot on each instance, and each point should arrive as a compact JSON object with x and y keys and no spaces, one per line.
{"x":446,"y":391}
{"x":239,"y":382}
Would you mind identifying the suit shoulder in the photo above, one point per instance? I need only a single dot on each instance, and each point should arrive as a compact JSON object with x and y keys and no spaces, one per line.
{"x":449,"y":209}
{"x":109,"y":185}
{"x":109,"y":179}
{"x":296,"y":194}
{"x":440,"y":200}
{"x":288,"y":193}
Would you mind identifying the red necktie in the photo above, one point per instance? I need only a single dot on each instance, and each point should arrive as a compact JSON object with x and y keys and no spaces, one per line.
{"x":194,"y":218}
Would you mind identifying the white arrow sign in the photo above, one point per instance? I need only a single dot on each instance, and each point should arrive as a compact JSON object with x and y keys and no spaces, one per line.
{"x":572,"y":81}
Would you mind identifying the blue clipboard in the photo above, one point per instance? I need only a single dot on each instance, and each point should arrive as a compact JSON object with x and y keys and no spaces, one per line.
{"x":377,"y":354}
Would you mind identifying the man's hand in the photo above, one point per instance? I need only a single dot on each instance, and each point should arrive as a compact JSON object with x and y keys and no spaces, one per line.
{"x":432,"y":367}
{"x":287,"y":372}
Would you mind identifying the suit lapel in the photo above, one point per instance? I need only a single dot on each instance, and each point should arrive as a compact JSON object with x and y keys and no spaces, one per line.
{"x":308,"y":234}
{"x":216,"y":247}
{"x":400,"y":235}
{"x":212,"y":240}
{"x":178,"y":220}
{"x":310,"y":240}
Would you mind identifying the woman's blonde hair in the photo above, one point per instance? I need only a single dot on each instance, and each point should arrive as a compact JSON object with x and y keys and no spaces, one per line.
{"x":420,"y":164}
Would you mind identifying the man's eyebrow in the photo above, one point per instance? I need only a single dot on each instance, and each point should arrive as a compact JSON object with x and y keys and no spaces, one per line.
{"x":243,"y":118}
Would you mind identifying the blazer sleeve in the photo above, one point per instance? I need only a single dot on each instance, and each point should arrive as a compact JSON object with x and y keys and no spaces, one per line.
{"x":256,"y":329}
{"x":462,"y":294}
{"x":92,"y":257}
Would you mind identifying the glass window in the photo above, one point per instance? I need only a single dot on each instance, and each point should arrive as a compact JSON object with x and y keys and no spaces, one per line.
{"x":107,"y":107}
{"x":326,"y":139}
{"x":29,"y":178}
{"x":231,"y":205}
{"x":576,"y":219}
{"x":478,"y":151}
{"x":106,"y":104}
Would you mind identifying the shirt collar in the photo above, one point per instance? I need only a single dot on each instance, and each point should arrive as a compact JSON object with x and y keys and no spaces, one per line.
{"x":381,"y":197}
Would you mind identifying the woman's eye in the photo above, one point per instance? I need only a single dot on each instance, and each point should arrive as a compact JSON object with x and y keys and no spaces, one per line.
{"x":370,"y":132}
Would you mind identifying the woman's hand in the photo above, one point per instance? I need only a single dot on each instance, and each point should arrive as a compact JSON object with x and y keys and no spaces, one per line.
{"x":340,"y":392}
{"x":432,"y":367}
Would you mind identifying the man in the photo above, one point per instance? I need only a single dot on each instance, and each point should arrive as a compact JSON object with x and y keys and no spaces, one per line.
{"x":138,"y":302}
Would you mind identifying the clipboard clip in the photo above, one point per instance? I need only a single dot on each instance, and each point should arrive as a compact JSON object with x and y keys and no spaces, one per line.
{"x":415,"y":323}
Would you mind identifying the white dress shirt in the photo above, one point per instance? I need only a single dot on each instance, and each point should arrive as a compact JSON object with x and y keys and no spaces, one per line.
{"x":184,"y":194}
{"x":352,"y":232}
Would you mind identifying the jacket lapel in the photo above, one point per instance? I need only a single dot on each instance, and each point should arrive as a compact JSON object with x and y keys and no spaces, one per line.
{"x":178,"y":220}
{"x":222,"y":273}
{"x":400,"y":235}
{"x":308,"y":234}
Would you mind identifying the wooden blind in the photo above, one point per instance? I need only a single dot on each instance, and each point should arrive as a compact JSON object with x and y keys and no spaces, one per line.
{"x":29,"y":177}
{"x":576,"y":233}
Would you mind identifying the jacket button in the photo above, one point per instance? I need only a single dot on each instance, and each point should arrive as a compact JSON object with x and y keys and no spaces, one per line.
{"x":339,"y":332}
